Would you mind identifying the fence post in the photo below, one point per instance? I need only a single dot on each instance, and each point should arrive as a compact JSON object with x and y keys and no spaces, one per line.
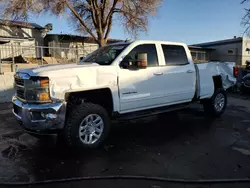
{"x":13,"y":58}
{"x":76,"y":54}
{"x":64,"y":54}
{"x":42,"y":55}
{"x":37,"y":51}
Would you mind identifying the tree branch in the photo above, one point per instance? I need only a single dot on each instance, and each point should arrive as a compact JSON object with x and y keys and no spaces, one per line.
{"x":96,"y":16}
{"x":110,"y":12}
{"x":80,"y":20}
{"x":103,"y":2}
{"x":108,"y":28}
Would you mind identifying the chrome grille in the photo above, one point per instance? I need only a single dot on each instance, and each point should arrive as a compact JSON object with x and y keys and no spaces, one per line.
{"x":16,"y":109}
{"x":20,"y":93}
{"x":19,"y":81}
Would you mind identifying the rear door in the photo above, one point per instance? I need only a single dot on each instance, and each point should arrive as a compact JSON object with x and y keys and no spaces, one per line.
{"x":179,"y":77}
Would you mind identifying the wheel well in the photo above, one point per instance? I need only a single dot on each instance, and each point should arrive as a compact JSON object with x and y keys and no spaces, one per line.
{"x":217,"y":82}
{"x":102,"y":97}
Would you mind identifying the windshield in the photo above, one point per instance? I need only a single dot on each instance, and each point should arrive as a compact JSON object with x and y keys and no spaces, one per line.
{"x":105,"y":55}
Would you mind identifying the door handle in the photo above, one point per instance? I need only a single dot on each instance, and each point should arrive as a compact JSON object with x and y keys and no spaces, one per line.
{"x":190,"y":71}
{"x":158,"y":73}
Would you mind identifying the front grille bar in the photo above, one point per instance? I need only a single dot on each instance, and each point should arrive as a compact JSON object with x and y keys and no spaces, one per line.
{"x":20,"y":85}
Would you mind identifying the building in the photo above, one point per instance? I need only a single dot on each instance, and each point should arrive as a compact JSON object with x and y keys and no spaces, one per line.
{"x":234,"y":50}
{"x":200,"y":54}
{"x":31,"y":40}
{"x":70,"y":46}
{"x":20,"y":38}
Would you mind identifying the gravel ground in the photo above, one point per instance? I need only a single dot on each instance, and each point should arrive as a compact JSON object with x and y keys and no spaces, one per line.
{"x":186,"y":146}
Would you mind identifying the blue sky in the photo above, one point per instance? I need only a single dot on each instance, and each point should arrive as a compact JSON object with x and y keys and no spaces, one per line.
{"x":189,"y":21}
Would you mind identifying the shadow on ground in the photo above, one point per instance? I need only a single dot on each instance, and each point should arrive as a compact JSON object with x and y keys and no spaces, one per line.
{"x":187,"y":146}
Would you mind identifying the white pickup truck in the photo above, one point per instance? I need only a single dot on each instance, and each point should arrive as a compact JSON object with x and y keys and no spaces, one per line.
{"x":117,"y":82}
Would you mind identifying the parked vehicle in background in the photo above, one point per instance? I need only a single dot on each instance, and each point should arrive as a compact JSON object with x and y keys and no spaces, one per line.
{"x":248,"y":65}
{"x":246,"y":83}
{"x":243,"y":76}
{"x":121,"y":81}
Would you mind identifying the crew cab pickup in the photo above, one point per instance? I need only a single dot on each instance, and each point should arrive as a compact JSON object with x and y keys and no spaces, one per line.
{"x":120,"y":81}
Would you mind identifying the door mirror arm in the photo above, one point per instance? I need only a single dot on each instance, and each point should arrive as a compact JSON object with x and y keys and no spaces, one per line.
{"x":124,"y":64}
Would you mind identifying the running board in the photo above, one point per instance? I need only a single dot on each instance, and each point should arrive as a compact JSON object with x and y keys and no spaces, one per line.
{"x":150,"y":112}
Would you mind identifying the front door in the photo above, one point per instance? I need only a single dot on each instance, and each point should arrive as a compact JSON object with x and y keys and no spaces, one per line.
{"x":139,"y":89}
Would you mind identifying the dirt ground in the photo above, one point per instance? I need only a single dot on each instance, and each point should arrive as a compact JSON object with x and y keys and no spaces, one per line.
{"x":186,"y":146}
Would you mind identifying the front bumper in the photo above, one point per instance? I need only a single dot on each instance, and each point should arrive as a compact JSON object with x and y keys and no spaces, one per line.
{"x":40,"y":118}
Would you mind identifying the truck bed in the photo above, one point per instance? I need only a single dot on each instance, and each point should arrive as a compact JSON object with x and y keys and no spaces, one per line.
{"x":207,"y":70}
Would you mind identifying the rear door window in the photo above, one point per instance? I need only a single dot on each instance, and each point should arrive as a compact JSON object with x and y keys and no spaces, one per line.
{"x":174,"y":55}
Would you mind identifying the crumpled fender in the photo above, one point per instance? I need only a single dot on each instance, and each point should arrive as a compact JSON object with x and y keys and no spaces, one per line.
{"x":74,"y":80}
{"x":225,"y":70}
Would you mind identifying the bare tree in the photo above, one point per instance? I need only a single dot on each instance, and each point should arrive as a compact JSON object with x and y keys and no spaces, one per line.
{"x":246,"y":19}
{"x":94,"y":17}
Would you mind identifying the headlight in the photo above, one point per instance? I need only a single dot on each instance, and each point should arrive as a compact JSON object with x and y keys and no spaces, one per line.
{"x":37,"y":90}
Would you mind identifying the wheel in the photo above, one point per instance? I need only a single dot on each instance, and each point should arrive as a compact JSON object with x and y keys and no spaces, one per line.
{"x":86,"y":126}
{"x":216,"y":105}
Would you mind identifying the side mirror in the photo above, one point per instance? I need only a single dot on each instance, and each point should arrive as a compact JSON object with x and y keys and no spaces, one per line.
{"x":125,"y":64}
{"x":142,"y":60}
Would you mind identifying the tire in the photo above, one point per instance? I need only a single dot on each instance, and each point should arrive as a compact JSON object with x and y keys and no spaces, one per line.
{"x":94,"y":122}
{"x":216,"y":105}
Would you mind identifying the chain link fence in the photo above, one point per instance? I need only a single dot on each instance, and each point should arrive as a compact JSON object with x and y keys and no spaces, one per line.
{"x":15,"y":56}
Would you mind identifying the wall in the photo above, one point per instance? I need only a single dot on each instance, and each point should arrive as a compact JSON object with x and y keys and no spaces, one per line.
{"x":7,"y":31}
{"x":37,"y":34}
{"x":221,"y":52}
{"x":23,"y":43}
{"x":62,"y":50}
{"x":6,"y":87}
{"x":6,"y":67}
{"x":26,"y":48}
{"x":86,"y":48}
{"x":77,"y":49}
{"x":200,"y":55}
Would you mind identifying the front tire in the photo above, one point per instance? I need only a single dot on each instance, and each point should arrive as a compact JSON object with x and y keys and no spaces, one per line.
{"x":87,"y":126}
{"x":217,"y":104}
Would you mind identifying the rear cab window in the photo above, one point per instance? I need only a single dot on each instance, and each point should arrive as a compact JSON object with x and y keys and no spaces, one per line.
{"x":174,"y":55}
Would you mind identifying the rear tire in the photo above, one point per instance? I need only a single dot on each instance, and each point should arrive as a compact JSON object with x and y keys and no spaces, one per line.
{"x":216,"y":105}
{"x":87,"y":126}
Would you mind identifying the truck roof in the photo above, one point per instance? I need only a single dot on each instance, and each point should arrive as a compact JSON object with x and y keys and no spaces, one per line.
{"x":150,"y":41}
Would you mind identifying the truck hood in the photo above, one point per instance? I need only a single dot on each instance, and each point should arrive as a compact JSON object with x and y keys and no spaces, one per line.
{"x":46,"y":70}
{"x":72,"y":77}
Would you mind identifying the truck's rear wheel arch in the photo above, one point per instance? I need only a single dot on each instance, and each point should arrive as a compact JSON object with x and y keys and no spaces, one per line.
{"x":102,"y":97}
{"x":216,"y":105}
{"x":217,"y":82}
